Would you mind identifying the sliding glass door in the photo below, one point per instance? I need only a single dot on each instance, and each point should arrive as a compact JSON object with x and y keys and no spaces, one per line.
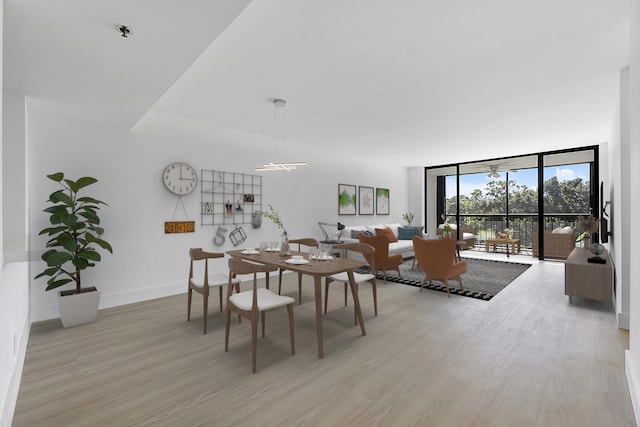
{"x":521,"y":195}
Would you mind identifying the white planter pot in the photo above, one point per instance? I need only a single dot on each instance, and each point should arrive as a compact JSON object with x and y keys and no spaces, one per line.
{"x":78,"y":309}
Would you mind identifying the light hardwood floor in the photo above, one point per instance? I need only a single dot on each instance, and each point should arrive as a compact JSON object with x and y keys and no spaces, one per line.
{"x":526,"y":358}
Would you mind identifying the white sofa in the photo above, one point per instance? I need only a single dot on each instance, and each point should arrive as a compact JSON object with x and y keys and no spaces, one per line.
{"x":403,"y":246}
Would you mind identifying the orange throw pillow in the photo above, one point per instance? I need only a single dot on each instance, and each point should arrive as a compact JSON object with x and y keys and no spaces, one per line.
{"x":387,"y":232}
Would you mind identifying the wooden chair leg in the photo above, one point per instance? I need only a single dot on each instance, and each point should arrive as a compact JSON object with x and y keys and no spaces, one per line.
{"x":446,"y":283}
{"x":375,"y":297}
{"x":205,"y":304}
{"x":220,"y":295}
{"x":291,"y":330}
{"x":279,"y":282}
{"x":299,"y":288}
{"x":189,"y":294}
{"x":262,"y":320}
{"x":227,"y":321}
{"x":237,"y":286}
{"x":254,"y":343}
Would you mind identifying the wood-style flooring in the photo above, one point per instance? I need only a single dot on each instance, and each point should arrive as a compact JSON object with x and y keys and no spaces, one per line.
{"x":525,"y":358}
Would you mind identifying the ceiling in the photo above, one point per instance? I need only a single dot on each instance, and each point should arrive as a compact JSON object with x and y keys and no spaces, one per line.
{"x":409,"y":82}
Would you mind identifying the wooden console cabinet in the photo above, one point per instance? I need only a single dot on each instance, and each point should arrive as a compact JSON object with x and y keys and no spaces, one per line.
{"x":588,"y":280}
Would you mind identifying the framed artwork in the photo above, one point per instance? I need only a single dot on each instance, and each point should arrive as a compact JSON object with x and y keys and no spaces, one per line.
{"x":365,"y":200}
{"x":382,"y":201}
{"x":346,"y":199}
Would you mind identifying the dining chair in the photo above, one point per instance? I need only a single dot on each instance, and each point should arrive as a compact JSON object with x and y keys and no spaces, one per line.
{"x":380,"y":258}
{"x":308,"y":243}
{"x":366,"y":251}
{"x":201,"y":281}
{"x":253,"y":304}
{"x":437,"y":259}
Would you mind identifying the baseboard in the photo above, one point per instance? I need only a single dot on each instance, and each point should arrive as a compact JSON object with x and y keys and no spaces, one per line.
{"x":6,"y":416}
{"x":623,"y":320}
{"x":632,"y":381}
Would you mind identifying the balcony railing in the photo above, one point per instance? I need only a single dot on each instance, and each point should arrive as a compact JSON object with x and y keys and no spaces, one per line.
{"x":523,"y":225}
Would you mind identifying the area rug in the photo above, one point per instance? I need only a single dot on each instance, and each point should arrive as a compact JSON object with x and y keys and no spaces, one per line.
{"x":483,"y":279}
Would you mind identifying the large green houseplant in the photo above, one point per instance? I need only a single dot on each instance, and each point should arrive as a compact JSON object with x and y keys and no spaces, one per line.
{"x":75,"y":235}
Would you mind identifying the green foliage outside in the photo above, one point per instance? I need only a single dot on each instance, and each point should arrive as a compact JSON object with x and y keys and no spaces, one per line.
{"x":571,"y":196}
{"x":559,"y":197}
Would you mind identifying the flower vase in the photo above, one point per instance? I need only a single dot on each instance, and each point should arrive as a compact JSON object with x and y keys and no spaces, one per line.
{"x":586,"y":241}
{"x":284,"y":245}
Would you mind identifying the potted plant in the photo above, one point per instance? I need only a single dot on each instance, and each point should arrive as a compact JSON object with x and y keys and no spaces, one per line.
{"x":408,"y":217}
{"x":75,"y":235}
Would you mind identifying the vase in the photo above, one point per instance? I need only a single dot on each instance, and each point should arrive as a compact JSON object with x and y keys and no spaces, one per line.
{"x":284,"y":245}
{"x":586,"y":241}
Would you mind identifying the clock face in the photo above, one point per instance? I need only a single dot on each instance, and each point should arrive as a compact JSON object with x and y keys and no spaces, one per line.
{"x":180,"y":178}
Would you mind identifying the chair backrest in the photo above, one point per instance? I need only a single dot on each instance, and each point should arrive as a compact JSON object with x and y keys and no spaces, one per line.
{"x":199,"y":269}
{"x":435,"y":257}
{"x":306,"y":241}
{"x":381,"y":245}
{"x":363,"y":248}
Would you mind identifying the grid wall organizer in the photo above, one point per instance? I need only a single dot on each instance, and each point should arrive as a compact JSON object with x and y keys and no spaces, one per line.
{"x":229,"y":197}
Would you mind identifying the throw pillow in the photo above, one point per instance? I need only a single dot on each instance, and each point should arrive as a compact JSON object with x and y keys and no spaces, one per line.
{"x":387,"y":232}
{"x":407,"y":233}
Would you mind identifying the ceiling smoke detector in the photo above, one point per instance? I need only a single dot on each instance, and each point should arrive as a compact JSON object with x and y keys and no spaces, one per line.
{"x":124,"y":31}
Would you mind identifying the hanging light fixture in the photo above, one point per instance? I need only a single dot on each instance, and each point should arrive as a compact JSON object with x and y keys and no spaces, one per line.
{"x":283,"y":165}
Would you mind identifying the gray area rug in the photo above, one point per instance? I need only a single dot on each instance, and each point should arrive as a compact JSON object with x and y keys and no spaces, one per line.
{"x":483,"y":279}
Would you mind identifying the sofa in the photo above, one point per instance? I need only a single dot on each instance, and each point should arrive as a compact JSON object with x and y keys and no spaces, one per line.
{"x":558,"y":243}
{"x":467,"y":234}
{"x":404,"y":234}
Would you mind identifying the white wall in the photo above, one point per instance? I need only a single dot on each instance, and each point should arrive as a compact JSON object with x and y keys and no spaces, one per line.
{"x":128,"y":164}
{"x":14,"y":296}
{"x":632,"y":359}
{"x":618,"y":192}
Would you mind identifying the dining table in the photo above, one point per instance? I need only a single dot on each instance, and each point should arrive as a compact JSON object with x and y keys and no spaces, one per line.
{"x":317,"y":268}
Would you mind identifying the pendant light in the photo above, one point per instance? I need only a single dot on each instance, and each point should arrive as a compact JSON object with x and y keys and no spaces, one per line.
{"x":283,"y":165}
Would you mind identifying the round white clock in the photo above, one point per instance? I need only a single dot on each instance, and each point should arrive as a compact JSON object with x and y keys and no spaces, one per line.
{"x":180,"y":178}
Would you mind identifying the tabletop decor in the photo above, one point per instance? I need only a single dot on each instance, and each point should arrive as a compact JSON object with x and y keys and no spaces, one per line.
{"x":274,"y":216}
{"x":74,"y":235}
{"x":586,"y":225}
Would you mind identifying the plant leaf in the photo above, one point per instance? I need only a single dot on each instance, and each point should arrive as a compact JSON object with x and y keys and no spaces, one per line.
{"x":86,"y":199}
{"x":80,"y":263}
{"x":52,"y":284}
{"x":57,"y":177}
{"x":48,"y":272}
{"x":57,"y":259}
{"x":61,"y":197}
{"x":85,"y":181}
{"x":90,"y":254}
{"x":67,"y":242}
{"x":103,"y":244}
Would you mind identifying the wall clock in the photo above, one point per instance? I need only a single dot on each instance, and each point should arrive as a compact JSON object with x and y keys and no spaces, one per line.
{"x":180,"y":178}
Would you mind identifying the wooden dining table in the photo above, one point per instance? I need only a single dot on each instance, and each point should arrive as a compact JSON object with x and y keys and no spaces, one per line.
{"x":317,"y":269}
